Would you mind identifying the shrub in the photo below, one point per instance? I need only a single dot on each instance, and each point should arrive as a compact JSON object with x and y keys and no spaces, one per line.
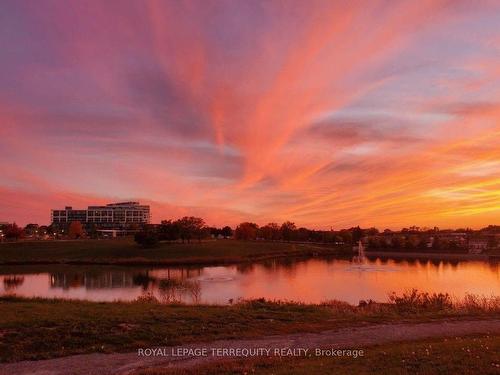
{"x":473,"y":304}
{"x":13,"y":232}
{"x":146,"y":239}
{"x":415,"y":301}
{"x":147,"y":298}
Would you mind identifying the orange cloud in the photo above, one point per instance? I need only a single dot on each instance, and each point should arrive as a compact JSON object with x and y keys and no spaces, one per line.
{"x":325,"y":113}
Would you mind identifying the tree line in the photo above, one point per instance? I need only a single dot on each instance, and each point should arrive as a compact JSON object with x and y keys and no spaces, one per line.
{"x":191,"y":228}
{"x":288,"y":231}
{"x":185,"y":229}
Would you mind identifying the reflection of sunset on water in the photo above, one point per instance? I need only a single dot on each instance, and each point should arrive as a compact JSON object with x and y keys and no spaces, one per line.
{"x":314,"y":280}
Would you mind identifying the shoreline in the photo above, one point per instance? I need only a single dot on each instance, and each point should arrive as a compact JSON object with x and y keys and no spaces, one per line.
{"x":124,"y":252}
{"x":255,"y":258}
{"x":181,"y":262}
{"x":427,"y":256}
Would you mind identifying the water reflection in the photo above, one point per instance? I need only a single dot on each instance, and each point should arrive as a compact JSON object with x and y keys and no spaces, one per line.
{"x":12,"y":282}
{"x":312,"y":280}
{"x":92,"y":280}
{"x":175,"y":290}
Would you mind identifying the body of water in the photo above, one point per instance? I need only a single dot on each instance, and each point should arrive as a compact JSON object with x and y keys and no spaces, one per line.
{"x":312,"y":280}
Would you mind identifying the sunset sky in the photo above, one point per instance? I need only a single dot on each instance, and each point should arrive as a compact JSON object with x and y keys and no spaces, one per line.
{"x":325,"y":113}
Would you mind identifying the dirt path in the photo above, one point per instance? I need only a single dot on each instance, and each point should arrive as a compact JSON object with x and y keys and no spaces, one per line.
{"x":353,"y":338}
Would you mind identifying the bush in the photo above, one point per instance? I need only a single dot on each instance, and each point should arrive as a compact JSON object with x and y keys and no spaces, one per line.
{"x":474,"y":304}
{"x":147,"y":298}
{"x":146,"y":239}
{"x":415,"y":301}
{"x":12,"y":232}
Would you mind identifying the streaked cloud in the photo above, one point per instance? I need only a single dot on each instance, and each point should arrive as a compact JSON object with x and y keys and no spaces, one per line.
{"x":324,"y":113}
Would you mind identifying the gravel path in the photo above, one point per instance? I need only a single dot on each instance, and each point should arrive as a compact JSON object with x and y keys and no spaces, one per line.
{"x":353,"y":338}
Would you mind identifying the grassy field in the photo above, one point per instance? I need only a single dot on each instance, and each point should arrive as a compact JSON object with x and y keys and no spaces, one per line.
{"x":460,"y":355}
{"x":126,"y":251}
{"x":40,"y":328}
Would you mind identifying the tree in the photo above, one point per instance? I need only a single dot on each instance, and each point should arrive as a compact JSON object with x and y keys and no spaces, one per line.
{"x":422,"y":243}
{"x":92,"y":230}
{"x":169,"y":230}
{"x":411,"y":242}
{"x":303,"y":234}
{"x":214,"y":231}
{"x":357,"y":233}
{"x":246,"y":231}
{"x":397,"y":243}
{"x":437,"y":243}
{"x":43,"y":230}
{"x":328,"y":236}
{"x":226,"y":231}
{"x":288,"y":230}
{"x":489,"y":228}
{"x":346,"y":236}
{"x":31,"y":230}
{"x":12,"y":232}
{"x":75,"y":230}
{"x":146,"y":238}
{"x":373,"y":243}
{"x":191,"y":227}
{"x":270,"y":232}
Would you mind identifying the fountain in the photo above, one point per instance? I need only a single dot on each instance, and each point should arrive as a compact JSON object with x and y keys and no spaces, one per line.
{"x":360,"y":262}
{"x":360,"y":258}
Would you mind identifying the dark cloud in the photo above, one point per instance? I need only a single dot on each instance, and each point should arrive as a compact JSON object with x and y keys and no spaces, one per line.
{"x":168,"y":101}
{"x":350,"y":132}
{"x":469,"y":108}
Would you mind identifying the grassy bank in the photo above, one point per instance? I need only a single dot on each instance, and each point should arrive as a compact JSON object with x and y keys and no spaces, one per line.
{"x":126,"y":252}
{"x":38,"y":328}
{"x":460,"y":355}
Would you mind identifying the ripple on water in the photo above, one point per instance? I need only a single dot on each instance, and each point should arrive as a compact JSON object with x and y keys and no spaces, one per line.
{"x":367,"y":268}
{"x":215,"y":278}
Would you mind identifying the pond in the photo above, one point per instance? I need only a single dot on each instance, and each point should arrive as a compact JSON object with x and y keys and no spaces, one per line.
{"x":306,"y":280}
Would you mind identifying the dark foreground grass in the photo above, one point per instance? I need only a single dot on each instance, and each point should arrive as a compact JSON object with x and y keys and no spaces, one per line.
{"x":126,"y":251}
{"x":41,"y":328}
{"x":459,"y":355}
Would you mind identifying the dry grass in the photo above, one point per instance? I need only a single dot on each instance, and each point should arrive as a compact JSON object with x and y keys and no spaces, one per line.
{"x":411,"y":302}
{"x":472,"y":303}
{"x":414,"y":301}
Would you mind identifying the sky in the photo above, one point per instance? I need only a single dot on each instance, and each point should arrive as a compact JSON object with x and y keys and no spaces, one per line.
{"x":330,"y":114}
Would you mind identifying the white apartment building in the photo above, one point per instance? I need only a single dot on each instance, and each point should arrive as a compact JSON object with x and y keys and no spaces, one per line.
{"x":112,"y":215}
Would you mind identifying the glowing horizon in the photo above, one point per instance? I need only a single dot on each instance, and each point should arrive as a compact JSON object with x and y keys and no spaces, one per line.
{"x":328,"y":114}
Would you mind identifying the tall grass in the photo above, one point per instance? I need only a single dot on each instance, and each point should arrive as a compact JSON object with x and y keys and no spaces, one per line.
{"x":472,"y":303}
{"x":414,"y":301}
{"x":409,"y":302}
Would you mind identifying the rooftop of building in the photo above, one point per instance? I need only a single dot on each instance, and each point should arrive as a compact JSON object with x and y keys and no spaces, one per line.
{"x":123,"y":204}
{"x":109,"y":205}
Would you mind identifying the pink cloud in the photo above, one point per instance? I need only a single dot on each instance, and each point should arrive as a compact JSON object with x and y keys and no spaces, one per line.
{"x":328,"y":114}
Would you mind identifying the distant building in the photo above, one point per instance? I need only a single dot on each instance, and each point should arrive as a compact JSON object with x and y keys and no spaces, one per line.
{"x":113,"y":215}
{"x":477,"y":245}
